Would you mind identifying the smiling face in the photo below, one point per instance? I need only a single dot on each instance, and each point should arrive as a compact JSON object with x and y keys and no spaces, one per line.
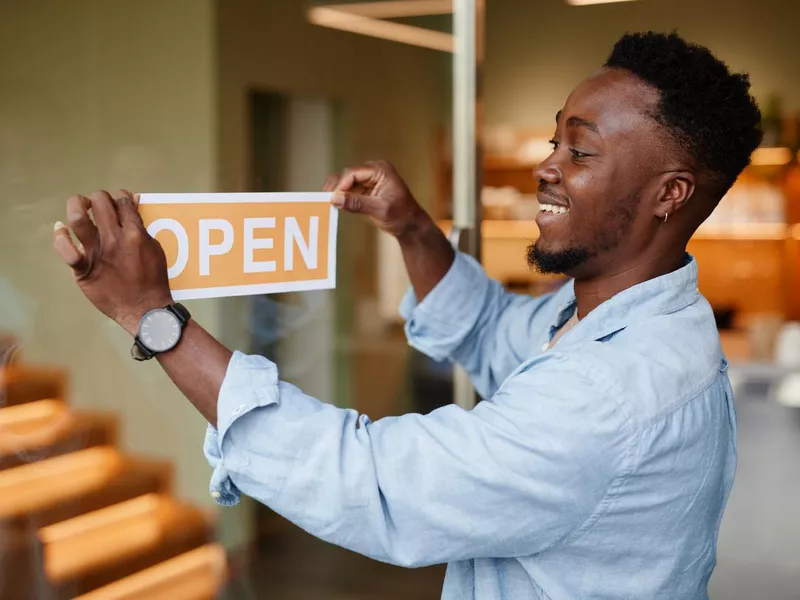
{"x":598,"y":188}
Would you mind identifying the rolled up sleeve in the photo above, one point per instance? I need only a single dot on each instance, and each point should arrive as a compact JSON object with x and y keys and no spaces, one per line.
{"x":438,"y":325}
{"x":251,"y":383}
{"x":471,"y":319}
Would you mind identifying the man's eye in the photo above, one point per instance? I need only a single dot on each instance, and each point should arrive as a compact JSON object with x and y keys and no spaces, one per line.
{"x":577,"y":153}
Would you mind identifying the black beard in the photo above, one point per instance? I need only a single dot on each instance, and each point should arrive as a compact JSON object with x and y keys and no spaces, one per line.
{"x":619,"y":223}
{"x":548,"y":263}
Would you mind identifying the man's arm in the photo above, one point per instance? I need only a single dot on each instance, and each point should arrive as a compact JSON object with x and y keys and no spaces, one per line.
{"x":198,"y":369}
{"x":512,"y":477}
{"x":456,"y":312}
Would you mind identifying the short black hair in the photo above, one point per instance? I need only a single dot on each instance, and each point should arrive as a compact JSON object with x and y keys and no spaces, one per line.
{"x":707,"y":109}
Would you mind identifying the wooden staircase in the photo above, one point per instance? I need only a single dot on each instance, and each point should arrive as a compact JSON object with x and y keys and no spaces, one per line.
{"x":81,"y":519}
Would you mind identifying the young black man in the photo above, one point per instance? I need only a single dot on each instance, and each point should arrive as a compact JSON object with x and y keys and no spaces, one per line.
{"x":600,"y":462}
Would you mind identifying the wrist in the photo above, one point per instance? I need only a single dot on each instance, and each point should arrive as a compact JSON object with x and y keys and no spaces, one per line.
{"x":130,"y":318}
{"x":417,"y":230}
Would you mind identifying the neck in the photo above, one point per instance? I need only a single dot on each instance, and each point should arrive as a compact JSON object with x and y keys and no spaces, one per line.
{"x":591,"y":292}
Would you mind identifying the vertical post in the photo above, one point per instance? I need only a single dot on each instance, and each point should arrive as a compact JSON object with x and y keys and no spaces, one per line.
{"x":468,"y":29}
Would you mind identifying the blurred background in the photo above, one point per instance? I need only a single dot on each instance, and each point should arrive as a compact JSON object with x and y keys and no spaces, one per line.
{"x":103,"y":484}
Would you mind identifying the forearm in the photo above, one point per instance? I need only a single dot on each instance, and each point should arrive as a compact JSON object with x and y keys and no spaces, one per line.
{"x":197,"y":365}
{"x":428,"y":257}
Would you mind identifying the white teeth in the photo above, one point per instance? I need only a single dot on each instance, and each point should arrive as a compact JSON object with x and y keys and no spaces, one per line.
{"x":556,"y":210}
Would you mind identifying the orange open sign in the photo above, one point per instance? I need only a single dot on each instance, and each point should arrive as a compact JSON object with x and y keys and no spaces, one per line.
{"x":240,"y":244}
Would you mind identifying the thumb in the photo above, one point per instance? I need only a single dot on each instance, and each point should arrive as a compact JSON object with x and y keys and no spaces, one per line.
{"x":70,"y":254}
{"x":357,"y":203}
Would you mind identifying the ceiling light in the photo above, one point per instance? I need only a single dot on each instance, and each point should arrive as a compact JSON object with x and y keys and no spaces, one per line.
{"x":587,"y":2}
{"x":367,"y":18}
{"x":393,"y":9}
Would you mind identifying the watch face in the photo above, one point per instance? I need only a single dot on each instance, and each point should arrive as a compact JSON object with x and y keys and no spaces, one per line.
{"x":159,"y":330}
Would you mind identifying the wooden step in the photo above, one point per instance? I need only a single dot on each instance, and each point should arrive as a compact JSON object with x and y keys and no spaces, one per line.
{"x":47,"y":428}
{"x":59,"y":488}
{"x":95,"y":549}
{"x":195,"y":575}
{"x":53,"y":490}
{"x":20,"y":384}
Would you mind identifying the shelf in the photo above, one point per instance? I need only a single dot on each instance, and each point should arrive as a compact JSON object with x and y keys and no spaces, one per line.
{"x":743,"y":231}
{"x":527,"y":230}
{"x":501,"y":163}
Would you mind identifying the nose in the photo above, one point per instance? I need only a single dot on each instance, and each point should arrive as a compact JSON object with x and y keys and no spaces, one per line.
{"x":547,"y":171}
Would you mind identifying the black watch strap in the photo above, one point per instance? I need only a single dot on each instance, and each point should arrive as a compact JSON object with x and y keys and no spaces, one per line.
{"x":139,"y":351}
{"x":180,"y":311}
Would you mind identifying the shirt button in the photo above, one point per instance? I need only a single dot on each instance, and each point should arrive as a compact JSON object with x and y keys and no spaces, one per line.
{"x":216,"y":495}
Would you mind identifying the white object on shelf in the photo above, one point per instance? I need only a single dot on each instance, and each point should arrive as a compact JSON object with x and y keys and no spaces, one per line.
{"x":787,"y":346}
{"x":787,"y":391}
{"x":535,"y":150}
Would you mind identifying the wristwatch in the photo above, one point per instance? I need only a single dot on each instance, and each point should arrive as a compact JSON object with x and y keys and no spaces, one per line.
{"x":159,"y":330}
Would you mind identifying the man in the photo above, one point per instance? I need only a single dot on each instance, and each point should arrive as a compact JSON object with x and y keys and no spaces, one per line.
{"x":600,"y":461}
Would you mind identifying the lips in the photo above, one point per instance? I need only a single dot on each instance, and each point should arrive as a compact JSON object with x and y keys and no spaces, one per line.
{"x":553,"y":208}
{"x":552,"y":211}
{"x":552,"y":204}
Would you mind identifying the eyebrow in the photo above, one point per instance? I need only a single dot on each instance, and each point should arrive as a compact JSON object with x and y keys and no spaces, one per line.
{"x":579,"y":122}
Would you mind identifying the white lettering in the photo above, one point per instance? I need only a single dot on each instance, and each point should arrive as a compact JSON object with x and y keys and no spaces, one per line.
{"x":251,"y":244}
{"x":182,"y":259}
{"x":207,"y":249}
{"x":293,"y":235}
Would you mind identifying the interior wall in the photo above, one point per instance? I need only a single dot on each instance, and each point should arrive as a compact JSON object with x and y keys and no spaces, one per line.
{"x":538,"y":51}
{"x":102,"y":95}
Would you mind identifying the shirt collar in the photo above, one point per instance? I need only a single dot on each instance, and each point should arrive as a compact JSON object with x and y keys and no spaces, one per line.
{"x":659,"y":296}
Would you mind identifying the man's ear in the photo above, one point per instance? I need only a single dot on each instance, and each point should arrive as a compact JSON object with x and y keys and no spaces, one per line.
{"x":677,"y":188}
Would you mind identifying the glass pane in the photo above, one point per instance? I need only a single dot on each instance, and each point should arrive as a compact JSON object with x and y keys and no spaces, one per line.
{"x":102,"y":472}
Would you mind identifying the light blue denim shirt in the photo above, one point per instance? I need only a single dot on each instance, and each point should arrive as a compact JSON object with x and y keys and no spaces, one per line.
{"x":596,"y":469}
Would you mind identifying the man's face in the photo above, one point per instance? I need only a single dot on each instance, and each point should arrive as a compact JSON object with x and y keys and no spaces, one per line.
{"x":591,"y":188}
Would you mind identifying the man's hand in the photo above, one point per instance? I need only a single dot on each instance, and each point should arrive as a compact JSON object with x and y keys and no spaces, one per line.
{"x":376,"y":190}
{"x":120,"y":268}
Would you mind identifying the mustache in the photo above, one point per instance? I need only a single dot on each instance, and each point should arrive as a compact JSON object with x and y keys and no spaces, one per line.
{"x":546,"y":189}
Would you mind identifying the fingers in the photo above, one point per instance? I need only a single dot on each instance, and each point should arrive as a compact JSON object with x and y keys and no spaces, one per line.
{"x":104,"y":210}
{"x":357,"y":203}
{"x":330,"y":183}
{"x":127,"y":210}
{"x":62,"y":242}
{"x":81,"y":223}
{"x":362,"y":176}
